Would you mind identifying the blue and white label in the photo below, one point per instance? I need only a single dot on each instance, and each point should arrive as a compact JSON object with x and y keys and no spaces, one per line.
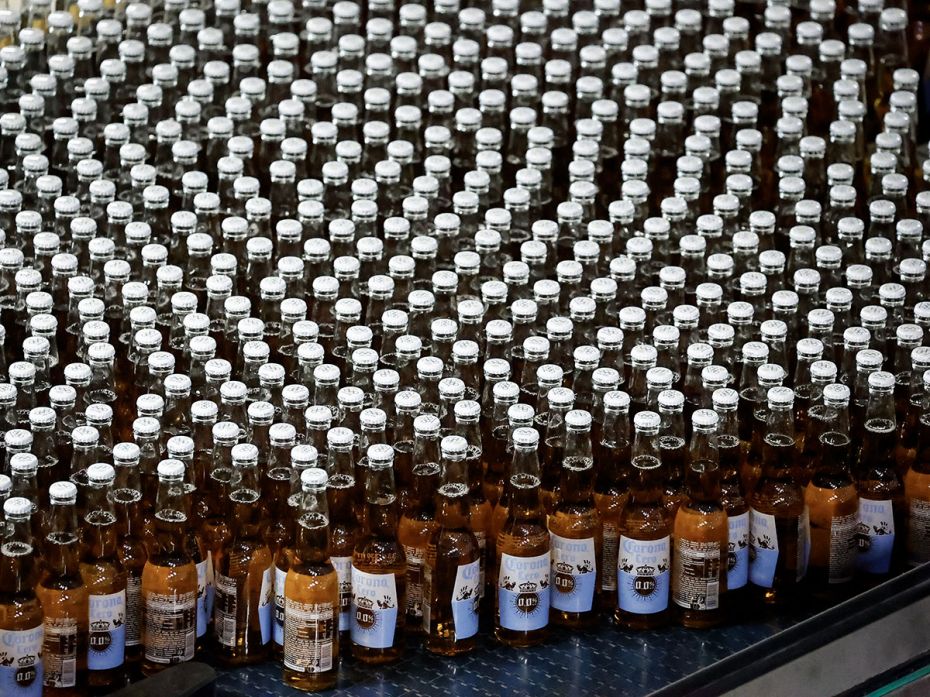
{"x":106,"y":642}
{"x":21,"y":662}
{"x":763,"y":548}
{"x":804,"y":544}
{"x":572,"y":574}
{"x":875,"y":535}
{"x":343,"y":566}
{"x":278,"y":630}
{"x":523,"y":592}
{"x":266,"y":604}
{"x":643,"y":575}
{"x":204,"y":595}
{"x":466,"y":595}
{"x":738,"y":556}
{"x":374,"y":609}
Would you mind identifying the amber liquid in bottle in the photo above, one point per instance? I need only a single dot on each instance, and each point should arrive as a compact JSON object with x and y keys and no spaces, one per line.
{"x":169,"y":580}
{"x":311,"y":595}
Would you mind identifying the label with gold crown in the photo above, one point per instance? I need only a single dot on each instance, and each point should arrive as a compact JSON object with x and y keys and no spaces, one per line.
{"x":643,"y":575}
{"x":523,"y":592}
{"x":106,"y":644}
{"x":374,"y":609}
{"x":21,"y":662}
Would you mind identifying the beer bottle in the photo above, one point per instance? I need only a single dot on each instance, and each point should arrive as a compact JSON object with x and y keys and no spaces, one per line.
{"x":779,"y":537}
{"x":575,"y":531}
{"x":452,"y":572}
{"x":522,"y":549}
{"x":830,"y":496}
{"x":611,"y":486}
{"x":418,"y":523}
{"x":883,"y":508}
{"x":244,"y":588}
{"x":21,"y":615}
{"x":311,"y":594}
{"x":644,"y":556}
{"x":63,"y":595}
{"x":105,"y":580}
{"x":169,"y":580}
{"x":732,"y":496}
{"x":467,"y":417}
{"x":701,"y":533}
{"x":917,"y":489}
{"x":127,"y":503}
{"x":344,"y":532}
{"x":672,"y":448}
{"x":379,"y":586}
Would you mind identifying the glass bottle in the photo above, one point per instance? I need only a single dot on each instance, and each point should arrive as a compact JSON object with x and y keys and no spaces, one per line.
{"x":379,"y":589}
{"x":418,"y":523}
{"x":63,"y":596}
{"x":778,"y":519}
{"x":644,"y":556}
{"x":21,"y":615}
{"x":311,"y":594}
{"x":105,"y":580}
{"x":169,"y":580}
{"x":522,"y":553}
{"x":576,"y":531}
{"x":701,"y":532}
{"x":452,"y":580}
{"x":243,"y":600}
{"x":831,"y":496}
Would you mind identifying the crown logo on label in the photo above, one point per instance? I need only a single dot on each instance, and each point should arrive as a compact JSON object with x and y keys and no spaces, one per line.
{"x":563,"y":567}
{"x":365,"y":603}
{"x":528,"y":587}
{"x":28,"y":660}
{"x":99,"y":626}
{"x":645,"y":570}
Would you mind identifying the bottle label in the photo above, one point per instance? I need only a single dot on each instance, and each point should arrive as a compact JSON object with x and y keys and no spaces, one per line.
{"x":343,"y":566}
{"x":170,"y":627}
{"x":804,"y":544}
{"x":224,"y":610}
{"x":21,"y":670}
{"x":482,"y":537}
{"x":279,"y":578}
{"x":106,"y":642}
{"x":643,"y":575}
{"x":843,"y":548}
{"x":133,"y":610}
{"x":763,"y":548}
{"x":374,"y":609}
{"x":466,"y":594}
{"x":427,"y":596}
{"x":309,"y":636}
{"x":204,"y":595}
{"x":59,"y":652}
{"x":918,"y":533}
{"x":875,"y":535}
{"x":609,"y":546}
{"x":573,"y":573}
{"x":738,"y":556}
{"x":416,"y":556}
{"x":697,"y":574}
{"x":211,"y":572}
{"x":266,"y":604}
{"x":523,"y":592}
